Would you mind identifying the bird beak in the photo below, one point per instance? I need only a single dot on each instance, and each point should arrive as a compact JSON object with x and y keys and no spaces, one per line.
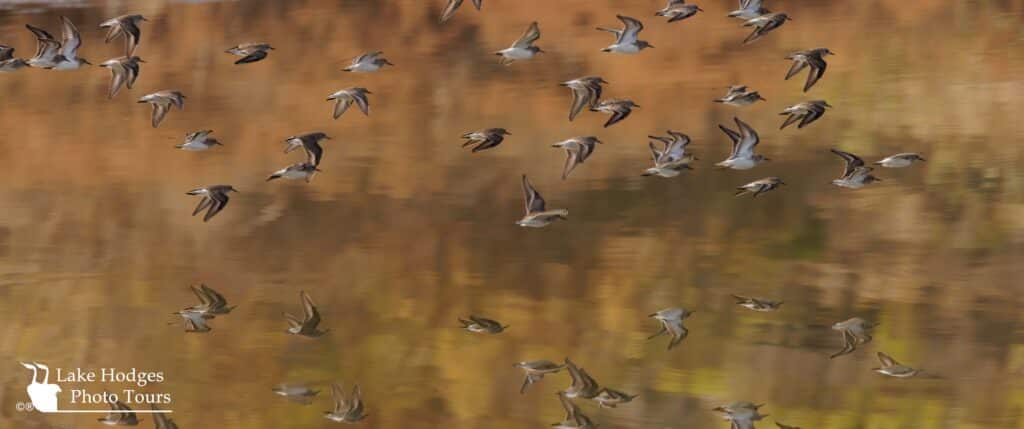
{"x":606,"y":50}
{"x":86,"y":62}
{"x":140,"y":60}
{"x":541,"y":51}
{"x":143,"y":18}
{"x":781,"y":183}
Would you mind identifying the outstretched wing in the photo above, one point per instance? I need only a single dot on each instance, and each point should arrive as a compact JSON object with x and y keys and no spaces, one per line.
{"x":852,"y":161}
{"x":529,"y":37}
{"x":534,"y":202}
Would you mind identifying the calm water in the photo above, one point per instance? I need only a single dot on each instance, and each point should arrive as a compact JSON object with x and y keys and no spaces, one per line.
{"x":404,"y":231}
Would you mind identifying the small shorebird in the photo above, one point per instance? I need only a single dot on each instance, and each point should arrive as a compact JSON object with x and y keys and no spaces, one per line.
{"x":161,"y":420}
{"x":855,"y":332}
{"x":485,"y":139}
{"x":126,"y":26}
{"x":120,"y":415}
{"x":609,"y":398}
{"x":586,"y":91}
{"x":583,"y":385}
{"x":806,"y":112}
{"x":742,"y":414}
{"x":894,"y":369}
{"x":195,"y":322}
{"x":7,"y":61}
{"x":307,"y":326}
{"x":739,"y":96}
{"x":123,"y":72}
{"x":574,"y":418}
{"x":482,"y":325}
{"x":577,"y":150}
{"x":346,"y":410}
{"x":452,"y":6}
{"x":749,"y":9}
{"x":211,"y":302}
{"x":757,"y":304}
{"x":162,"y":101}
{"x":900,"y":160}
{"x":199,"y":141}
{"x":672,"y":322}
{"x":678,"y":10}
{"x":760,"y":186}
{"x":367,"y":63}
{"x":535,"y":371}
{"x":626,"y":41}
{"x":54,"y":54}
{"x":295,"y":392}
{"x":743,"y":143}
{"x":855,"y":174}
{"x":522,"y":49}
{"x":618,"y":108}
{"x":813,"y":58}
{"x":250,"y":52}
{"x":763,"y":24}
{"x":670,"y":161}
{"x":215,"y":197}
{"x":344,"y":98}
{"x":310,"y":142}
{"x":302,"y":170}
{"x":537,"y":214}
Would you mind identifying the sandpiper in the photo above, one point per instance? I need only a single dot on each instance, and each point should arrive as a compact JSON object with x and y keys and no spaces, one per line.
{"x":310,"y":142}
{"x":672,"y":159}
{"x":54,"y":54}
{"x":162,"y":102}
{"x":618,"y":108}
{"x":855,"y":174}
{"x":671,"y":322}
{"x":452,"y":6}
{"x":678,"y":10}
{"x":739,"y":96}
{"x":367,"y":63}
{"x":522,"y":49}
{"x":757,"y":304}
{"x":295,"y":392}
{"x":577,"y":150}
{"x":743,"y":143}
{"x":813,"y":58}
{"x":537,"y":214}
{"x":894,"y":369}
{"x":482,"y":325}
{"x":195,"y":322}
{"x":161,"y":420}
{"x":759,"y":186}
{"x":626,"y":41}
{"x":302,"y":170}
{"x":586,"y":91}
{"x":574,"y":418}
{"x":7,"y":61}
{"x":126,"y":26}
{"x":215,"y":197}
{"x":855,"y":332}
{"x":344,"y":98}
{"x":307,"y":326}
{"x":742,"y":414}
{"x":583,"y":385}
{"x":250,"y":52}
{"x":535,"y":371}
{"x":120,"y":415}
{"x":806,"y":112}
{"x":199,"y":141}
{"x":900,"y":160}
{"x":123,"y":72}
{"x":485,"y":139}
{"x":763,"y":24}
{"x":749,"y":9}
{"x":610,"y":398}
{"x":211,"y":302}
{"x":346,"y":410}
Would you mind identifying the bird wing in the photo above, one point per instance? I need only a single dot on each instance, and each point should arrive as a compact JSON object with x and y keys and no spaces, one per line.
{"x":359,"y":95}
{"x":478,"y":4}
{"x":449,"y":10}
{"x":46,"y":46}
{"x":632,"y":28}
{"x":311,"y":315}
{"x":529,"y":37}
{"x":203,"y":203}
{"x":655,"y":153}
{"x":132,"y":36}
{"x":886,"y":360}
{"x":573,"y":156}
{"x":812,"y":115}
{"x":340,"y":404}
{"x":818,"y":66}
{"x":534,"y":202}
{"x":71,"y":39}
{"x":733,"y":135}
{"x":132,"y":68}
{"x":748,"y":138}
{"x":678,"y":331}
{"x":580,"y":98}
{"x":677,"y":148}
{"x":118,"y":77}
{"x":159,"y":111}
{"x":252,"y":57}
{"x":619,"y":113}
{"x":852,"y":161}
{"x":220,"y":200}
{"x":341,"y":105}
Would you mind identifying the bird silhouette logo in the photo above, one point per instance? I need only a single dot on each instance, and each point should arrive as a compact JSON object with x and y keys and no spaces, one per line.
{"x":43,"y":395}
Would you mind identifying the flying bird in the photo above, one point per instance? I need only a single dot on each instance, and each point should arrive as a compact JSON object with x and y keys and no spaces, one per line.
{"x":214,"y":197}
{"x":900,"y":160}
{"x":577,"y":150}
{"x":310,"y":142}
{"x":672,"y":158}
{"x":302,"y":170}
{"x":583,"y":385}
{"x":307,"y":326}
{"x":739,"y":96}
{"x":123,"y":72}
{"x":618,"y":108}
{"x":344,"y":98}
{"x":574,"y":417}
{"x":743,"y":143}
{"x":894,"y":369}
{"x":750,"y":9}
{"x":855,"y":174}
{"x":482,"y":325}
{"x":537,"y":214}
{"x":346,"y":410}
{"x":162,"y":102}
{"x":586,"y":91}
{"x":211,"y":302}
{"x":757,"y":304}
{"x":126,"y":26}
{"x":524,"y":48}
{"x":855,"y":333}
{"x":368,"y":63}
{"x":485,"y":139}
{"x":7,"y":61}
{"x":199,"y":141}
{"x":759,"y":186}
{"x":54,"y":54}
{"x":452,"y":6}
{"x":626,"y":41}
{"x":610,"y":398}
{"x":671,"y":323}
{"x":678,"y":10}
{"x":806,"y":112}
{"x":813,"y":58}
{"x":763,"y":24}
{"x":250,"y":52}
{"x":120,"y":415}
